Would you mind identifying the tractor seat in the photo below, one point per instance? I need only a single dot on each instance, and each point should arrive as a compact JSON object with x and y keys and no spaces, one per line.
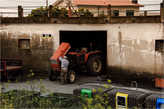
{"x":84,"y":50}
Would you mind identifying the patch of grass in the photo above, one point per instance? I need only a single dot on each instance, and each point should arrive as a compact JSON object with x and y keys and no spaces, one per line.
{"x":22,"y":99}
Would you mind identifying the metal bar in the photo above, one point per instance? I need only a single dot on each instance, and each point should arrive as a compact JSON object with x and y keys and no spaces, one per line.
{"x":5,"y":68}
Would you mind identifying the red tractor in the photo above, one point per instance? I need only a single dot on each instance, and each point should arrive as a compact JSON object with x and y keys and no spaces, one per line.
{"x":80,"y":61}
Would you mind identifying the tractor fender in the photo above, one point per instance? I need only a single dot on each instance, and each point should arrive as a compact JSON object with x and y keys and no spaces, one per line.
{"x":91,"y":53}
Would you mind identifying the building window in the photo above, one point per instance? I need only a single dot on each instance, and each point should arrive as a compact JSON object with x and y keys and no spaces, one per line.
{"x":159,"y":45}
{"x":24,"y":43}
{"x":101,"y":12}
{"x":129,"y":12}
{"x":115,"y":12}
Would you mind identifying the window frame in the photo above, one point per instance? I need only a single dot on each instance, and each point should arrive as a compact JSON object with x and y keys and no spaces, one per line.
{"x":130,"y":13}
{"x":20,"y":44}
{"x":159,"y":45}
{"x":115,"y":12}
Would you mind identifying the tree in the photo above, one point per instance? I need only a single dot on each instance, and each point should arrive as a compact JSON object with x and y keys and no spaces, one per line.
{"x":43,"y":12}
{"x":39,"y":12}
{"x":84,"y":13}
{"x":59,"y":12}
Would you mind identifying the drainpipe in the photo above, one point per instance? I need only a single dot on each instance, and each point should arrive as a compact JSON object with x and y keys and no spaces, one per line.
{"x":20,"y":13}
{"x":145,"y":13}
{"x":50,"y":11}
{"x":109,"y":13}
{"x":162,"y":11}
{"x":98,"y":11}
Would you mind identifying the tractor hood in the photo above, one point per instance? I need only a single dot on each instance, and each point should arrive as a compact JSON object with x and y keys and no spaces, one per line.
{"x":61,"y":51}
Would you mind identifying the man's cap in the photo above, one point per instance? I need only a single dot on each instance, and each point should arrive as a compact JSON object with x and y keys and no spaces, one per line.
{"x":65,"y":57}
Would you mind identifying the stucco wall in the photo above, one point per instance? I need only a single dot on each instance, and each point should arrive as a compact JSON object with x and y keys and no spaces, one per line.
{"x":122,"y":10}
{"x":35,"y":57}
{"x":96,"y":10}
{"x":130,"y":47}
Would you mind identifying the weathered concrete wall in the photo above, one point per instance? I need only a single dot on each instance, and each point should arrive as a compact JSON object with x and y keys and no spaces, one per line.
{"x":35,"y":57}
{"x":130,"y":47}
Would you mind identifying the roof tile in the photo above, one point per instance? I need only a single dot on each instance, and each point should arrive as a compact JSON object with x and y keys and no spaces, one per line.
{"x":105,"y":2}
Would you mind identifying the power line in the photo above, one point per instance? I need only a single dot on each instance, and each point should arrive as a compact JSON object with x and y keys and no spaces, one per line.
{"x":47,"y":1}
{"x":15,"y":7}
{"x":25,"y":7}
{"x":33,"y":6}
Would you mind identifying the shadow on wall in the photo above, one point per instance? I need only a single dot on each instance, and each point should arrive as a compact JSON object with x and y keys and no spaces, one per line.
{"x":34,"y":50}
{"x":129,"y":75}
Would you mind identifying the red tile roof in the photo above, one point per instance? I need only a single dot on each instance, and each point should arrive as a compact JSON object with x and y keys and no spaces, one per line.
{"x":105,"y":2}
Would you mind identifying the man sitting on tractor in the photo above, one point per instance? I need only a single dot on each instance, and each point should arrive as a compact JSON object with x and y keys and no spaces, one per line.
{"x":64,"y":69}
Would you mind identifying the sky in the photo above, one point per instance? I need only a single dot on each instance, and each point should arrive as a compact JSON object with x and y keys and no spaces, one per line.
{"x":11,"y":6}
{"x":24,"y":2}
{"x":5,"y":4}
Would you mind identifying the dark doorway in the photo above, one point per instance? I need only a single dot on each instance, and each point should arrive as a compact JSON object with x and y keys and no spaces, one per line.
{"x":93,"y":40}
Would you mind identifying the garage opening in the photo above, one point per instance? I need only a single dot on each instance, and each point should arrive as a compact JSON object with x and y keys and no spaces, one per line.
{"x":92,"y":40}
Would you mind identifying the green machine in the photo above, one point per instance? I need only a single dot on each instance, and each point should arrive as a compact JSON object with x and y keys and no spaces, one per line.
{"x":90,"y":89}
{"x":86,"y":93}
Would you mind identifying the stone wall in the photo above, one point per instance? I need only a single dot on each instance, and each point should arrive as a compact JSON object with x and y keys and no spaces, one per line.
{"x":83,"y":20}
{"x":135,"y":19}
{"x":73,"y":20}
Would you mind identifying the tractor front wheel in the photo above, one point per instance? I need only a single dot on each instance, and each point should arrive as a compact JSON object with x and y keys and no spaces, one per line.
{"x":71,"y":76}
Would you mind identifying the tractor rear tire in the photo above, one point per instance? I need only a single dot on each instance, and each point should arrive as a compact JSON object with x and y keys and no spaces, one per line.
{"x":53,"y":75}
{"x":95,"y":64}
{"x":71,"y":76}
{"x":3,"y":77}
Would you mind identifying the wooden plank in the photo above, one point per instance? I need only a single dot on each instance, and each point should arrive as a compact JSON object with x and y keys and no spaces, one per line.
{"x":8,"y":68}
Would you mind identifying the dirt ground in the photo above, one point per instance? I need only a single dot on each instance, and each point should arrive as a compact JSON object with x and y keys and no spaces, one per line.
{"x":55,"y":86}
{"x":47,"y":85}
